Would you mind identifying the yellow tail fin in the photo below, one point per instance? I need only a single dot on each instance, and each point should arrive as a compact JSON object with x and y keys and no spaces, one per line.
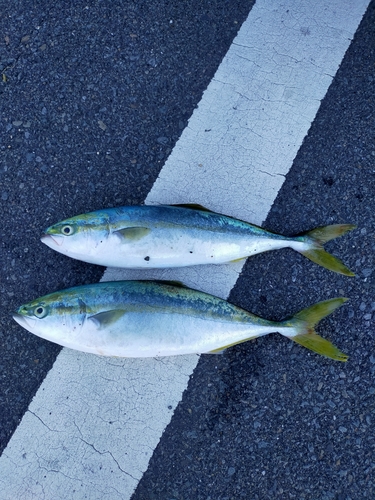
{"x":303,"y":323}
{"x":318,"y":237}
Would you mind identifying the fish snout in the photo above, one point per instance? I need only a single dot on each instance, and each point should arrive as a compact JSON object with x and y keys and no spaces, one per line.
{"x":52,"y":241}
{"x":24,"y":321}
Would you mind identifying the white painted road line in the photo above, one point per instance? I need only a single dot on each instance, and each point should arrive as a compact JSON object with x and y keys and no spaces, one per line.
{"x":92,"y":426}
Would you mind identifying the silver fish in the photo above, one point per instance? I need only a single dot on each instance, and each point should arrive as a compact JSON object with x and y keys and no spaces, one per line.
{"x":150,"y":318}
{"x":177,"y":236}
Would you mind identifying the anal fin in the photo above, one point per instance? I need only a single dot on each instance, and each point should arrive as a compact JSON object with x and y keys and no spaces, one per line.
{"x":241,"y":259}
{"x":220,"y":350}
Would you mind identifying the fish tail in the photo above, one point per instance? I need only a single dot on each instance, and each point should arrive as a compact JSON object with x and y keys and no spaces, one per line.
{"x":304,"y":334}
{"x":317,"y":238}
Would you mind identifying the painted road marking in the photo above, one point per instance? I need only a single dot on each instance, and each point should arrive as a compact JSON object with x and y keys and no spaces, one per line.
{"x":94,"y":423}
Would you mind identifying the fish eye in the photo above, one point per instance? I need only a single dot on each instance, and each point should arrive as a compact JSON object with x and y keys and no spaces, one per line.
{"x":67,"y":230}
{"x":40,"y":312}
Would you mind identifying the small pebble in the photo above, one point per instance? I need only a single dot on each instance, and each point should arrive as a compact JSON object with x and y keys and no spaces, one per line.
{"x":152,"y":62}
{"x":231,"y":471}
{"x":366,"y":272}
{"x":162,"y":140}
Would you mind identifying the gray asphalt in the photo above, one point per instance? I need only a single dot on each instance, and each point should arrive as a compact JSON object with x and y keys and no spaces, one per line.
{"x":93,"y":99}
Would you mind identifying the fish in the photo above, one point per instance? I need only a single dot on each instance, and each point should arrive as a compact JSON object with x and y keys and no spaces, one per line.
{"x":168,"y":236}
{"x":141,"y":319}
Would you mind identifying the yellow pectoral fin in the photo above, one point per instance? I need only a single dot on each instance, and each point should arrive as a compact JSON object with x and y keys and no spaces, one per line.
{"x":107,"y":318}
{"x":129,"y":234}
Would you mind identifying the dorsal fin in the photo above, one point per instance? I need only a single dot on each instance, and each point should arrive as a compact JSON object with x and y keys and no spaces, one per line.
{"x":178,"y":284}
{"x":192,"y":206}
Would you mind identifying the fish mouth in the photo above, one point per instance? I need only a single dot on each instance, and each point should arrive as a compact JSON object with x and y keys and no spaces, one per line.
{"x":24,"y":321}
{"x":52,"y":241}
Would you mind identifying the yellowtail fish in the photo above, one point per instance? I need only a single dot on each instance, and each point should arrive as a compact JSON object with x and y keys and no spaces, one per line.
{"x":177,"y":236}
{"x":151,"y":318}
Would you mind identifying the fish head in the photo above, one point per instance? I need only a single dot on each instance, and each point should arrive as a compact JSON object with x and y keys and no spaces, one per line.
{"x":57,"y":317}
{"x":80,"y":236}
